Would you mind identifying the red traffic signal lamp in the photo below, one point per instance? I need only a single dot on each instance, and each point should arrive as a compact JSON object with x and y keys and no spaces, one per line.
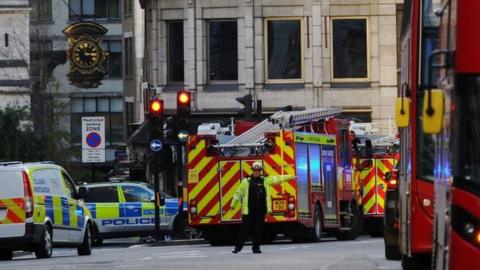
{"x":184,"y":99}
{"x":156,"y":118}
{"x":156,"y":107}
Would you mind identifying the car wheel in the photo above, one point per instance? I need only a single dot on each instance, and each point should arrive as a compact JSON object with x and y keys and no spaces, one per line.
{"x":86,"y":247}
{"x":6,"y":255}
{"x":45,"y":248}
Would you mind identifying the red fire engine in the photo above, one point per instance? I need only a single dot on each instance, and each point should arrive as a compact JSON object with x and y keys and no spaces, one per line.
{"x":416,"y":171}
{"x":311,"y":144}
{"x":451,"y":113}
{"x":373,"y":158}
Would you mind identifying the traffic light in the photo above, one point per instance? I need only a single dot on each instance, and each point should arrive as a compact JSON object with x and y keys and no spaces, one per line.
{"x":184,"y":101}
{"x":156,"y":118}
{"x":247,"y":104}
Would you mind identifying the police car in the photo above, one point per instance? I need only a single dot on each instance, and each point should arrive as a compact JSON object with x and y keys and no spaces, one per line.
{"x":40,"y":207}
{"x":127,"y":209}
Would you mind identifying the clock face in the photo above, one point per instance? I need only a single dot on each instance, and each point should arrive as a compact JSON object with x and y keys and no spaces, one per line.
{"x":86,"y":54}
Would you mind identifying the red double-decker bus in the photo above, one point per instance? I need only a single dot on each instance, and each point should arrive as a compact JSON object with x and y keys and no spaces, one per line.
{"x":419,"y":37}
{"x":451,"y":113}
{"x":439,"y":114}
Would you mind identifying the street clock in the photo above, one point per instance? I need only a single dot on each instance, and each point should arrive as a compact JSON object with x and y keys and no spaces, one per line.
{"x":85,"y":54}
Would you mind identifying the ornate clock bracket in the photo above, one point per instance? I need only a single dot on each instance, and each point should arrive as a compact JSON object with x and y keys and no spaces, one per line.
{"x":85,"y":54}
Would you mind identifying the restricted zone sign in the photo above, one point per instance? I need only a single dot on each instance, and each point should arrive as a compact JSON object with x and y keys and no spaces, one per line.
{"x":93,"y":139}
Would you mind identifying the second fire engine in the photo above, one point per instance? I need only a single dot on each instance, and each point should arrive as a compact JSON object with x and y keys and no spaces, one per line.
{"x":313,"y":145}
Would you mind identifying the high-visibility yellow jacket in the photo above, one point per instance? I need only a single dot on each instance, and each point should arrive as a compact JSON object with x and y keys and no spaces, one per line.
{"x":241,"y":194}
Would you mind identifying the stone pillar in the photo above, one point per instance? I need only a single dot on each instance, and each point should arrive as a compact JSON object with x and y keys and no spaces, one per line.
{"x":189,"y":44}
{"x":249,"y":39}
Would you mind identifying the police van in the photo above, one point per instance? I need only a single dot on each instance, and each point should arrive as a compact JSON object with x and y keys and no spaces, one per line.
{"x":124,"y":209}
{"x":40,"y":207}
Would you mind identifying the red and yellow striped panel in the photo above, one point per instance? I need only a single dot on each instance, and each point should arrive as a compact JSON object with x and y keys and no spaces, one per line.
{"x":203,"y":184}
{"x":230,"y":177}
{"x":374,"y":185}
{"x":15,"y":212}
{"x":281,"y":162}
{"x":383,"y":166}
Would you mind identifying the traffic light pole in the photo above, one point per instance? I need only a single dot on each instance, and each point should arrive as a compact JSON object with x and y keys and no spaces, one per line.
{"x":179,"y":167}
{"x":156,"y":183}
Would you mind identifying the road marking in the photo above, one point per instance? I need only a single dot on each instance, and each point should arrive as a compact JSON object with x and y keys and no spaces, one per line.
{"x":287,"y":248}
{"x":146,"y":258}
{"x":333,"y":262}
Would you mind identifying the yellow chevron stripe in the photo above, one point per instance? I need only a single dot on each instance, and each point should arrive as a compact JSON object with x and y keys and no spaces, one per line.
{"x":196,"y":151}
{"x":229,"y":174}
{"x":202,"y":202}
{"x":203,"y":182}
{"x":215,"y":210}
{"x":367,"y":206}
{"x":205,"y":220}
{"x":15,"y":208}
{"x":367,"y":187}
{"x":381,"y":201}
{"x":226,"y":197}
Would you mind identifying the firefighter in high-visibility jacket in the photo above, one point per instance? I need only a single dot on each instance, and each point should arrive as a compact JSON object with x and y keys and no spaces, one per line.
{"x":254,"y":196}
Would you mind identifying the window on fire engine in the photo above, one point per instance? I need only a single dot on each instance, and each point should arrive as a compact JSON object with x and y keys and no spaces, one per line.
{"x":425,"y":142}
{"x":466,"y":167}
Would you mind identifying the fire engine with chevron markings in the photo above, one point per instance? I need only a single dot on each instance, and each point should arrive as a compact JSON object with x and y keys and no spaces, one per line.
{"x":373,"y":158}
{"x":312,"y":145}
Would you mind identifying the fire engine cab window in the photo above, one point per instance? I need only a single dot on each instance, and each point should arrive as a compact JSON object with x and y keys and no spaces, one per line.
{"x":102,"y":195}
{"x":136,"y":194}
{"x":466,"y":169}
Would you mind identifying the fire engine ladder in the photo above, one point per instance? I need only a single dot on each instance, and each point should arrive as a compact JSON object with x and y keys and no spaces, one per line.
{"x":385,"y":141}
{"x":255,"y":135}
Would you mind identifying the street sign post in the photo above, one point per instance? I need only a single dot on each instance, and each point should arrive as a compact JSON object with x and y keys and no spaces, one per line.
{"x":93,"y":139}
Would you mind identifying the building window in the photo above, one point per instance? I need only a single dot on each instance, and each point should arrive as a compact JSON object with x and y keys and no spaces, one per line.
{"x":94,"y":9}
{"x":350,"y":49}
{"x":129,"y":57}
{"x":127,"y":7}
{"x":110,"y":108}
{"x":284,"y":49}
{"x":175,"y":51}
{"x":113,"y":64}
{"x":223,"y":59}
{"x":41,"y":10}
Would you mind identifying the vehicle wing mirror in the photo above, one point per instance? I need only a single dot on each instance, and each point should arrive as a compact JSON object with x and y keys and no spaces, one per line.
{"x":432,"y":113}
{"x":82,"y":193}
{"x":402,"y":112}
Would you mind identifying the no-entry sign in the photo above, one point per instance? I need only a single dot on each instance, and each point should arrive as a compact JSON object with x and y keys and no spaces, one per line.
{"x":93,"y":139}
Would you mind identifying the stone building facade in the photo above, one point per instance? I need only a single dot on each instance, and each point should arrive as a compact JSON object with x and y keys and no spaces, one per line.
{"x":14,"y":53}
{"x":50,"y":68}
{"x":304,"y":53}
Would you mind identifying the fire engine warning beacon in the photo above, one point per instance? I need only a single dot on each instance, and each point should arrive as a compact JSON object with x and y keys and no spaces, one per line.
{"x":255,"y":201}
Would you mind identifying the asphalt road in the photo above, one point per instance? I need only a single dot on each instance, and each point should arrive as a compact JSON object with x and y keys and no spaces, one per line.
{"x":363,"y":253}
